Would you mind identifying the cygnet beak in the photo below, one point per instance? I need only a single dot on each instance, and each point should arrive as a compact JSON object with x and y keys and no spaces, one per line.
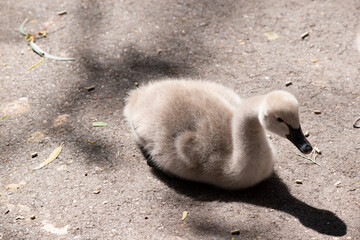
{"x":297,"y":137}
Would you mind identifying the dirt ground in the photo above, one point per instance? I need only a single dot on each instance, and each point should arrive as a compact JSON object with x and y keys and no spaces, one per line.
{"x":100,"y":186}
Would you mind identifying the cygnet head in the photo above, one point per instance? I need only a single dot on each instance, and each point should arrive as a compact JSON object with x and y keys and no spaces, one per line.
{"x":279,"y":114}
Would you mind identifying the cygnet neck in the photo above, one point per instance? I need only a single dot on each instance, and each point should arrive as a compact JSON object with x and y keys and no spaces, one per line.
{"x":247,"y":132}
{"x":246,"y":117}
{"x":252,"y":155}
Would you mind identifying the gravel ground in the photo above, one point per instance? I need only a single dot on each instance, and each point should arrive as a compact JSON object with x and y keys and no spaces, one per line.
{"x":100,"y":186}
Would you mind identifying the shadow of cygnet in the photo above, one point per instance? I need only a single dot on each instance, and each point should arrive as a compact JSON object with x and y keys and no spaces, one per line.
{"x":272,"y":193}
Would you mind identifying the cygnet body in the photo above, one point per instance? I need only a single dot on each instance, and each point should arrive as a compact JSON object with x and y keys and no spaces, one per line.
{"x":203,"y":131}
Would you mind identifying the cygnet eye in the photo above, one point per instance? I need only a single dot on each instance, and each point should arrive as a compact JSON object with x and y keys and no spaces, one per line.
{"x":280,"y":119}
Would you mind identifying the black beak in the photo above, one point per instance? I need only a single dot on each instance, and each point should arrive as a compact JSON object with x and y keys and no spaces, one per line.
{"x":297,"y":137}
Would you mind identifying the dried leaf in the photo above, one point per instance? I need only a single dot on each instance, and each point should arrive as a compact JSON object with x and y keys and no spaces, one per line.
{"x":271,"y":36}
{"x":184,"y":215}
{"x":52,"y":157}
{"x":99,"y":124}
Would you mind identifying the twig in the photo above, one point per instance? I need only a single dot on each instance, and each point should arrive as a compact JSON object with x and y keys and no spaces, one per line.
{"x":37,"y":63}
{"x":21,"y":28}
{"x":312,"y":157}
{"x":42,"y":53}
{"x":35,"y":47}
{"x":56,"y":19}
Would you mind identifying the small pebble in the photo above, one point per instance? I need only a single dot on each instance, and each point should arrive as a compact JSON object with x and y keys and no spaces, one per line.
{"x":314,"y":60}
{"x":19,"y":218}
{"x":235,"y":232}
{"x":305,"y":35}
{"x":298,"y":181}
{"x":97,"y":191}
{"x":317,"y":111}
{"x":90,"y":88}
{"x":136,"y":84}
{"x":288,"y":83}
{"x":318,"y":151}
{"x":306,"y":134}
{"x":337,"y":183}
{"x":61,"y":13}
{"x":34,"y":154}
{"x":32,"y":217}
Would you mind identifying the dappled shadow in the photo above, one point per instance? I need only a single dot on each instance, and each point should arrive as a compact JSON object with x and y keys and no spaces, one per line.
{"x":115,"y":70}
{"x":118,"y":77}
{"x":133,"y":67}
{"x":272,"y":193}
